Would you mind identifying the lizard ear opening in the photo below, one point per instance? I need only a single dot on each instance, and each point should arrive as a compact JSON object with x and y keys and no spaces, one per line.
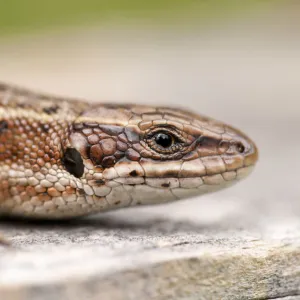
{"x":73,"y":162}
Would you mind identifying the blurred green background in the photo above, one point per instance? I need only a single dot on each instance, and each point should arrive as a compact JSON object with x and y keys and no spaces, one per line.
{"x":19,"y":16}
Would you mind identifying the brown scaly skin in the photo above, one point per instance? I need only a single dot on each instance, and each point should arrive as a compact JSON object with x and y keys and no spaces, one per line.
{"x":61,"y":158}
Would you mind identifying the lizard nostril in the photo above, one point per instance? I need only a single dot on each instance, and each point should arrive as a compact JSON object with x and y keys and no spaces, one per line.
{"x":240,"y":147}
{"x":233,"y":147}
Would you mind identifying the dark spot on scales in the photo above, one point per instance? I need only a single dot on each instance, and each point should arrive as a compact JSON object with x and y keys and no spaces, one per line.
{"x":45,"y":127}
{"x":21,"y":105}
{"x":133,"y":173}
{"x":117,"y":106}
{"x":81,"y":191}
{"x":99,"y":181}
{"x":73,"y":162}
{"x":169,"y":173}
{"x":3,"y":126}
{"x":3,"y":87}
{"x":51,"y":110}
{"x":165,"y":185}
{"x":108,"y":161}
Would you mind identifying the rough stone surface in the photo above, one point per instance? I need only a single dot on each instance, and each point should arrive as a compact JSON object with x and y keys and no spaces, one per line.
{"x":241,"y":243}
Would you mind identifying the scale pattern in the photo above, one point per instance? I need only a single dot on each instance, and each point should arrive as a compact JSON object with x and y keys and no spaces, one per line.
{"x":62,"y":158}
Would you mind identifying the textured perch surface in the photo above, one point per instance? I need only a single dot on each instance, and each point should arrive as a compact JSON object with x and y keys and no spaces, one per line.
{"x":242,"y":243}
{"x":152,"y":256}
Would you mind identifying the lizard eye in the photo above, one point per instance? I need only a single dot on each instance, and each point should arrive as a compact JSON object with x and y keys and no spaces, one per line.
{"x":164,"y":140}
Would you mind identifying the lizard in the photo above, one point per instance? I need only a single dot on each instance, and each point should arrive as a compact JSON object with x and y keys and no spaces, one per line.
{"x":64,"y":158}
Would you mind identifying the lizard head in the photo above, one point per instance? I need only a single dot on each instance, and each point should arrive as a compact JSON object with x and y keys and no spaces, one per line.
{"x":129,"y":155}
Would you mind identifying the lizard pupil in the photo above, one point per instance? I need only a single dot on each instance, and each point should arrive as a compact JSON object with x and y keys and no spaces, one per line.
{"x":164,"y":140}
